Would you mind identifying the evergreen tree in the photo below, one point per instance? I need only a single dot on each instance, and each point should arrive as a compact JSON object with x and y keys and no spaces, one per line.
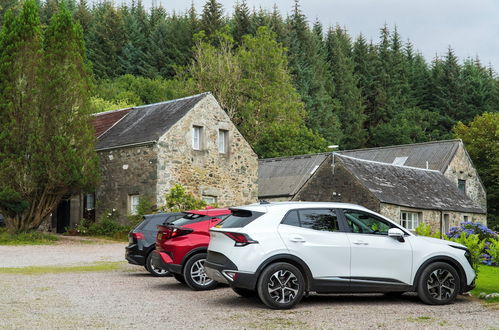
{"x":212,"y":17}
{"x":135,"y":57}
{"x":310,"y":76}
{"x":5,"y":5}
{"x":241,"y":22}
{"x":351,"y":108}
{"x":46,"y":140}
{"x":107,"y":37}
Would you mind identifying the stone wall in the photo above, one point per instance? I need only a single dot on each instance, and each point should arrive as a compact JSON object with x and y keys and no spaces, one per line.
{"x":342,"y":186}
{"x":125,"y":172}
{"x":430,"y":217}
{"x":229,"y":177}
{"x":462,"y":168}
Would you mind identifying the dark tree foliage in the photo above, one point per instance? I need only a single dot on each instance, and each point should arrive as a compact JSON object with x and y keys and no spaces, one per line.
{"x":241,"y":24}
{"x":212,"y":17}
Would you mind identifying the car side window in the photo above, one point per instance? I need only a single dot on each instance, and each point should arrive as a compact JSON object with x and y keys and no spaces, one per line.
{"x":319,"y":219}
{"x":291,"y":219}
{"x":365,"y":223}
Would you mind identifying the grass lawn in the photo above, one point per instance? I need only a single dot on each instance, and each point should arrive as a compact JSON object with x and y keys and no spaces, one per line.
{"x":488,"y":281}
{"x":31,"y":238}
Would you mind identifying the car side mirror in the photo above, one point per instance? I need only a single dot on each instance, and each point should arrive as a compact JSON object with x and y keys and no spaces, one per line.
{"x":396,"y":233}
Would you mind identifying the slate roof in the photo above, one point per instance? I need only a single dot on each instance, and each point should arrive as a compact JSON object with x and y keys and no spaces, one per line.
{"x":104,"y":120}
{"x":438,"y":154}
{"x":409,"y":186}
{"x":147,"y":123}
{"x":280,"y":177}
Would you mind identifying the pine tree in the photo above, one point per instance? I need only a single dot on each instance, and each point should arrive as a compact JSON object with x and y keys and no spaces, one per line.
{"x":241,"y":23}
{"x":212,"y":17}
{"x":310,"y":76}
{"x":5,"y":5}
{"x":351,"y":108}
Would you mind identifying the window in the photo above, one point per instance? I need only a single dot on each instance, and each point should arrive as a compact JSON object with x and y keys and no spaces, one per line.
{"x":209,"y":199}
{"x":291,"y":219}
{"x":133,"y":203}
{"x":465,"y":218}
{"x":222,"y":141}
{"x":409,"y":220}
{"x":318,"y":219}
{"x":445,"y":224}
{"x":365,"y":223}
{"x":461,"y":185}
{"x":239,"y":219}
{"x":196,"y":137}
{"x":89,"y":202}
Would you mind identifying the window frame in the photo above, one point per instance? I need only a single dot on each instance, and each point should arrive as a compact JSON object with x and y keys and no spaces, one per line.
{"x":131,"y":209}
{"x":206,"y":197}
{"x":392,"y":225}
{"x":342,"y":227}
{"x":418,"y":220}
{"x":223,"y":149}
{"x":197,"y":137}
{"x":461,"y":183}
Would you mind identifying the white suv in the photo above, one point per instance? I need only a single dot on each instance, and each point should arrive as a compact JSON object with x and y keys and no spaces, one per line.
{"x":283,"y":250}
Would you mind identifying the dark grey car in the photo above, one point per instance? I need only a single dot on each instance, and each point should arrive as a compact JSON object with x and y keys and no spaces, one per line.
{"x":142,"y":239}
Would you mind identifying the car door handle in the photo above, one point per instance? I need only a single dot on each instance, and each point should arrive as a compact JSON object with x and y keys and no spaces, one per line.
{"x":297,"y":239}
{"x":360,"y":243}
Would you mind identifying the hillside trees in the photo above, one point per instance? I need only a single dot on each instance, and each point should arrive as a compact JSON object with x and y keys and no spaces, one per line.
{"x":253,"y":85}
{"x":46,"y":140}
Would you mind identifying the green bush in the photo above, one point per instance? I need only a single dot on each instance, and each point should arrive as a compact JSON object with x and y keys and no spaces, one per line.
{"x":493,"y":251}
{"x":178,"y":200}
{"x":107,"y":226}
{"x":474,"y":244}
{"x":425,"y":230}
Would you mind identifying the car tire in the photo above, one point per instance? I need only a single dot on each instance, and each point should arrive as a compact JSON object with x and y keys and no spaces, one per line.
{"x":155,"y":271}
{"x":194,"y":274}
{"x":180,"y":278}
{"x":277,"y":294}
{"x":246,"y":293}
{"x":439,"y":284}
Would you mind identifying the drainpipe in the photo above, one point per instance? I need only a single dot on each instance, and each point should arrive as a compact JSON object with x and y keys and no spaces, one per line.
{"x":441,"y":222}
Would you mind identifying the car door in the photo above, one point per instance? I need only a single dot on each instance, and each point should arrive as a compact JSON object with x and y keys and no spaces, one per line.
{"x":314,"y":236}
{"x":376,"y":258}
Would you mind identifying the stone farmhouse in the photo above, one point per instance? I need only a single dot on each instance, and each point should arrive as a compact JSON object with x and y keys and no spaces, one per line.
{"x":432,"y":182}
{"x":144,"y":151}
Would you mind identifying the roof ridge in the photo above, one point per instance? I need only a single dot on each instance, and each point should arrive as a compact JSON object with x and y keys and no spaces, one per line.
{"x":151,"y":104}
{"x":401,"y":145}
{"x":293,"y":157}
{"x":387,"y":164}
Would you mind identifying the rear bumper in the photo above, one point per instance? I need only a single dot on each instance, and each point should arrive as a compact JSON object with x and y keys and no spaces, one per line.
{"x":164,"y":261}
{"x":218,"y":272}
{"x":135,"y":256}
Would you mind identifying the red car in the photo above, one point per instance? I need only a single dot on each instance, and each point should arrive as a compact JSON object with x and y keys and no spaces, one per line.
{"x":182,"y":244}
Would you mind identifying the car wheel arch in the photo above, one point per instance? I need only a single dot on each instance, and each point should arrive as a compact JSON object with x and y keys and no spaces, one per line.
{"x":293,"y":260}
{"x":446,"y":259}
{"x":193,"y":252}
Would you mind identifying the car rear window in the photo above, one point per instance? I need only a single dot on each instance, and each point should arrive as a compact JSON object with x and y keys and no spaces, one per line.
{"x":189,"y":218}
{"x":239,"y":219}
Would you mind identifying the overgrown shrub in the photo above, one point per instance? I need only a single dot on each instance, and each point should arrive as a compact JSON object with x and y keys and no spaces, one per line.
{"x":493,"y":252}
{"x":29,"y":238}
{"x":178,"y":200}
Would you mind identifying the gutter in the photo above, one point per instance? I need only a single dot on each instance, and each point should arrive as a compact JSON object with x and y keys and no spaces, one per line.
{"x":127,"y":145}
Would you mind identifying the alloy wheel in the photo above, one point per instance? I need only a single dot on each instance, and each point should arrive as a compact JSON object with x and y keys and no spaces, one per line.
{"x":157,"y":270}
{"x":441,"y":284}
{"x":283,"y":286}
{"x":198,"y":274}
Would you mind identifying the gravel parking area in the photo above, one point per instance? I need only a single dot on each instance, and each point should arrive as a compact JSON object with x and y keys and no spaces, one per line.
{"x":130,"y":298}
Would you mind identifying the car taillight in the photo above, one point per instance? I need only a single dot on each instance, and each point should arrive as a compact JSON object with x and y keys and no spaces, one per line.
{"x":240,"y":239}
{"x":172,"y":232}
{"x":138,"y":236}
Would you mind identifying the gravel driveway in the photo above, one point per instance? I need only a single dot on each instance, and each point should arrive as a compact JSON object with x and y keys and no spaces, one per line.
{"x":130,"y":298}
